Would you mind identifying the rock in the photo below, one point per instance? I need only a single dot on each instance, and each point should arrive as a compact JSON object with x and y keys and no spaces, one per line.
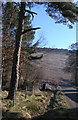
{"x":26,"y":115}
{"x":4,"y":94}
{"x":24,"y":108}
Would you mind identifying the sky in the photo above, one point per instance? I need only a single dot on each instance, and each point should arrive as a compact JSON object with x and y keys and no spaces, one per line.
{"x":53,"y":35}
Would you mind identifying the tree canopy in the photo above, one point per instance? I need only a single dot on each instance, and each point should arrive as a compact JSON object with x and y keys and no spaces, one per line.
{"x":62,"y":12}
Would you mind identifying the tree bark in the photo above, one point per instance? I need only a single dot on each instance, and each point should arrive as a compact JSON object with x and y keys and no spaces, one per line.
{"x":16,"y":56}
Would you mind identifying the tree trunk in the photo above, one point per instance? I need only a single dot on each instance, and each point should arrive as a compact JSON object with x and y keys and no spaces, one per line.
{"x":76,"y":70}
{"x":16,"y":56}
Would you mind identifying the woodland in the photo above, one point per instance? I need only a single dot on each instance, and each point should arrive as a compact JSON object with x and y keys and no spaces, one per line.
{"x":23,"y":96}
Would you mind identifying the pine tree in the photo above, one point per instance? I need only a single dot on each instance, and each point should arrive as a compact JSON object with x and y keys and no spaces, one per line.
{"x":62,"y":12}
{"x":17,"y":51}
{"x":9,"y":33}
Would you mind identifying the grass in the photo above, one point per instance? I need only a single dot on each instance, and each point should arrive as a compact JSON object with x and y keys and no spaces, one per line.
{"x":60,"y":101}
{"x":33,"y":105}
{"x":28,"y":107}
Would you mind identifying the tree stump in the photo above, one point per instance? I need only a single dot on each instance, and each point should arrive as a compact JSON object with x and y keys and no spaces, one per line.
{"x":43,"y":87}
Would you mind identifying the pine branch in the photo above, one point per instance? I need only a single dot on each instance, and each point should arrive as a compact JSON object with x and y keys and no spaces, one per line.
{"x":25,"y":31}
{"x":31,"y":12}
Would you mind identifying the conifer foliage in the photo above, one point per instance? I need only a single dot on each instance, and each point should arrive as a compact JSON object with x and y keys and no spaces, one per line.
{"x":63,"y":12}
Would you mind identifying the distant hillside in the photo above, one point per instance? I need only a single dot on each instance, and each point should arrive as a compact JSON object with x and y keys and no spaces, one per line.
{"x":55,"y":50}
{"x":52,"y":64}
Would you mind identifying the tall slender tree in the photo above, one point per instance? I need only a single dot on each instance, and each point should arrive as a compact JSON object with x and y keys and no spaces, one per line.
{"x":16,"y":56}
{"x":9,"y":33}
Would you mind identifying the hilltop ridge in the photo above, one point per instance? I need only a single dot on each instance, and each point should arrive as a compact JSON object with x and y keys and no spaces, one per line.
{"x":52,"y":50}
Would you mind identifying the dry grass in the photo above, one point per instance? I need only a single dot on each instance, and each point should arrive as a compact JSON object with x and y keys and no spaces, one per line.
{"x":28,"y":107}
{"x":35,"y":105}
{"x":52,"y":65}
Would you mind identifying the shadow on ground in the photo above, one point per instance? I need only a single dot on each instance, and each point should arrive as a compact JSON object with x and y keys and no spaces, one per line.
{"x":58,"y":114}
{"x":72,"y":94}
